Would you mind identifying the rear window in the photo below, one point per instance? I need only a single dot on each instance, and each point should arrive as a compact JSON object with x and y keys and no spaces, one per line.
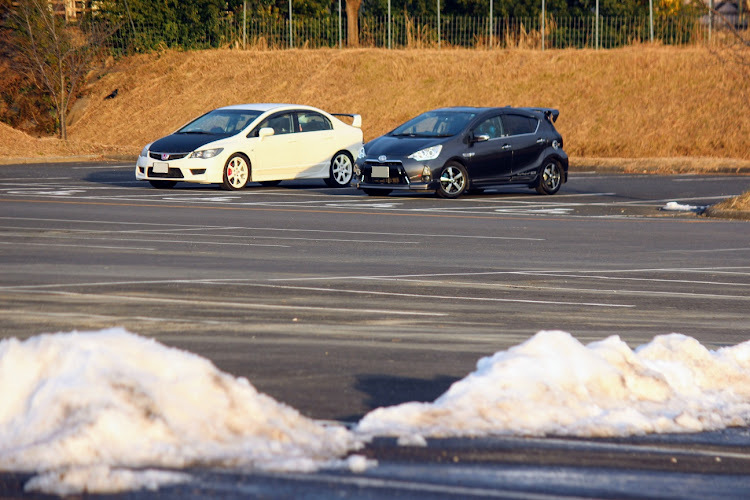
{"x":519,"y":124}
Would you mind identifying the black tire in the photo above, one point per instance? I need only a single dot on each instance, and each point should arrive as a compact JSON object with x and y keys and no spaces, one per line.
{"x":341,"y":170}
{"x":162,"y":184}
{"x":236,"y":172}
{"x":269,"y":183}
{"x":376,"y":192}
{"x":550,"y":178}
{"x":453,"y":181}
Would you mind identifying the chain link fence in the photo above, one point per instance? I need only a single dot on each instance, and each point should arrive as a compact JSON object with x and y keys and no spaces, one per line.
{"x":405,"y":32}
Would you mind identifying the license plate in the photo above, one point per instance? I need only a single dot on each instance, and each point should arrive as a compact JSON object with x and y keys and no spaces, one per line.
{"x":381,"y":172}
{"x":161,"y":168}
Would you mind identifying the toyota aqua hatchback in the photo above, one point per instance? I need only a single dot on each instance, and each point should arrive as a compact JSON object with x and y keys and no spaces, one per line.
{"x":265,"y":143}
{"x":454,"y":150}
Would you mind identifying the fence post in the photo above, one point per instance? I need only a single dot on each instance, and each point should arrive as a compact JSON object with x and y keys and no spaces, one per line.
{"x":651,"y":20}
{"x":291,"y":38}
{"x":596,"y":28}
{"x":389,"y":24}
{"x":542,"y":25}
{"x":438,"y":22}
{"x":491,"y":30}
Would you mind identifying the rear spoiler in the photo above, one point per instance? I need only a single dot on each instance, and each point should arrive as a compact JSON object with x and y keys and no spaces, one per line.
{"x":549,"y":113}
{"x":356,"y":119}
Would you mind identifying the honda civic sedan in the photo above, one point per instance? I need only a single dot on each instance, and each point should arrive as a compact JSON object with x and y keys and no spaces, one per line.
{"x":456,"y":150}
{"x":265,"y":143}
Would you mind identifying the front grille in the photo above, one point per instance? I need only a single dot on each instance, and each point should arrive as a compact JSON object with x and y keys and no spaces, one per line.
{"x":169,"y":156}
{"x":174,"y":173}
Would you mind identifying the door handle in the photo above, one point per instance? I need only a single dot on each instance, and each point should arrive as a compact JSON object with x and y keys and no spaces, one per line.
{"x":506,"y":146}
{"x":541,"y":141}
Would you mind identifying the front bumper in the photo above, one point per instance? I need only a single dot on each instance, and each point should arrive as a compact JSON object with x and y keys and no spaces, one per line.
{"x":393,"y":175}
{"x":183,"y":170}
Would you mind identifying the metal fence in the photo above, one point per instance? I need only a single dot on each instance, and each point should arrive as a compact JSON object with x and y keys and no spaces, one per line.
{"x":423,"y":32}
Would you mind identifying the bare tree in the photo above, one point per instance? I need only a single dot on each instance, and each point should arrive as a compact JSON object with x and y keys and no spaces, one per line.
{"x":54,"y":55}
{"x":352,"y":22}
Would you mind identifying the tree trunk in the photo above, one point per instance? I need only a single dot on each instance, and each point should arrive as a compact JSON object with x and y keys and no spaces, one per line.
{"x":352,"y":22}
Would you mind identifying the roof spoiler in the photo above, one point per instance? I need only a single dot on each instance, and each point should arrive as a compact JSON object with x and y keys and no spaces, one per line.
{"x":549,"y":113}
{"x":356,"y":119}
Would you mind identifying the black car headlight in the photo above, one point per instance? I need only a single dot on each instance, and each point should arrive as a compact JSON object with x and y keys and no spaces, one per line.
{"x":427,"y":153}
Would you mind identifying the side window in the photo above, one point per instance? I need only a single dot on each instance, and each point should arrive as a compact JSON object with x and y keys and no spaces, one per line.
{"x":492,"y":127}
{"x":310,"y":122}
{"x":281,"y":124}
{"x":518,"y":124}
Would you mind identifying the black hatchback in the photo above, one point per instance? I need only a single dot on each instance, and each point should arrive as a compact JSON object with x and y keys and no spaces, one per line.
{"x":462,"y":149}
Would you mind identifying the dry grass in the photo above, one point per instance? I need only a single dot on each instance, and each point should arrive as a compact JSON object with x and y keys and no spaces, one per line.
{"x":741,"y":203}
{"x":643,"y":102}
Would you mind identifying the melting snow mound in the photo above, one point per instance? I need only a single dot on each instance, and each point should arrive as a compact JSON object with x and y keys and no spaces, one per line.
{"x":82,"y":408}
{"x":554,"y":385}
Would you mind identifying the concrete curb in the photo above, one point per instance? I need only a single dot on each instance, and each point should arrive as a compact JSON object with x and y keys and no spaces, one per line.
{"x":715,"y":213}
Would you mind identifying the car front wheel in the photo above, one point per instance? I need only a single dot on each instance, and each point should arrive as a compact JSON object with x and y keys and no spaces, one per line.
{"x":550,"y":179}
{"x":341,"y":170}
{"x":236,"y":172}
{"x":454,"y":181}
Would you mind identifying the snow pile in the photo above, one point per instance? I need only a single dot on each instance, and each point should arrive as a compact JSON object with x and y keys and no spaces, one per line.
{"x":678,"y":207}
{"x":110,"y":411}
{"x":552,"y":384}
{"x":83,"y":408}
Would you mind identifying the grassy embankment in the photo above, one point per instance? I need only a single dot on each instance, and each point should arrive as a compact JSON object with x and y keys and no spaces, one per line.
{"x":662,"y":109}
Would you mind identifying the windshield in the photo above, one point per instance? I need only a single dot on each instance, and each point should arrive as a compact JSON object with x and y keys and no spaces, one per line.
{"x":221,"y":122}
{"x":435,"y":124}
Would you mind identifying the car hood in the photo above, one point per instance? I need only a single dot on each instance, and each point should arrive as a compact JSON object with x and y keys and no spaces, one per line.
{"x":399,"y":146}
{"x":184,"y":143}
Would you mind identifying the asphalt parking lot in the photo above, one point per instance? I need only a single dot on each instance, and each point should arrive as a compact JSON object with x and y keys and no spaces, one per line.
{"x":337,"y":303}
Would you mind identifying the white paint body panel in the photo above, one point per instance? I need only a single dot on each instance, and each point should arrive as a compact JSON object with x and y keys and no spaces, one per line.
{"x":297,"y":155}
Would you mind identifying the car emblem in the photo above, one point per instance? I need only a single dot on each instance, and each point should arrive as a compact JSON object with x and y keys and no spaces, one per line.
{"x":382,"y":158}
{"x":165,"y":156}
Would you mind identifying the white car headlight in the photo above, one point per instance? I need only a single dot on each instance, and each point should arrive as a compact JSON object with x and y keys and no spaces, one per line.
{"x":144,"y":151}
{"x":206,"y":153}
{"x":362,"y":153}
{"x":427,"y":153}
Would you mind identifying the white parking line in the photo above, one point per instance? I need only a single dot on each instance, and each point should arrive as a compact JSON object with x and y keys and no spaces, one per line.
{"x":622,"y":278}
{"x":23,"y":243}
{"x":191,"y":227}
{"x":106,"y":167}
{"x":99,"y":297}
{"x":593,"y":274}
{"x":424,"y":296}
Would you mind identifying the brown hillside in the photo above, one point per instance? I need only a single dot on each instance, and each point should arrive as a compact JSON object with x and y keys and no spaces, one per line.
{"x":637,"y":102}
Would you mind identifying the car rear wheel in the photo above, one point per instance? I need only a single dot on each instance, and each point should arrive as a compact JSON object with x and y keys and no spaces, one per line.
{"x":376,"y":192}
{"x":454,"y":181}
{"x":163,"y":184}
{"x":236,"y":172}
{"x":550,"y":179}
{"x":341,"y":170}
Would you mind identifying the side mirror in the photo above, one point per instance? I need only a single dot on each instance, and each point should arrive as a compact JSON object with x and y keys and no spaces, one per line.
{"x":480,"y":138}
{"x":265,"y":132}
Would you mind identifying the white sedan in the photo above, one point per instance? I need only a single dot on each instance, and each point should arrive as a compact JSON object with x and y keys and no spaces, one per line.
{"x":265,"y":143}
